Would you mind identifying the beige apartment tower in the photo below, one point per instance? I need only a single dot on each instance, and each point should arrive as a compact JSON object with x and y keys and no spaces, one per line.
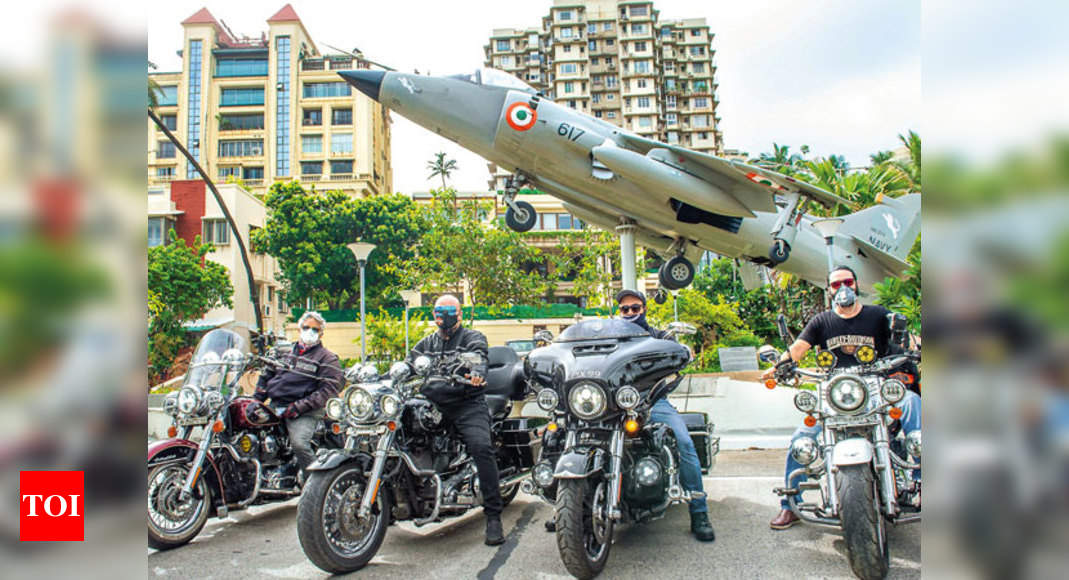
{"x":260,"y":110}
{"x":618,"y":61}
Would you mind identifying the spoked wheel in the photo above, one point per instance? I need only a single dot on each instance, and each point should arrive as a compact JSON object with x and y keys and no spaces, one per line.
{"x":331,"y":531}
{"x":172,"y":521}
{"x":863,"y":524}
{"x":584,"y":528}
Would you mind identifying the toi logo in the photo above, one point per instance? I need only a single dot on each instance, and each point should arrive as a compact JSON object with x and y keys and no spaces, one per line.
{"x":51,"y":506}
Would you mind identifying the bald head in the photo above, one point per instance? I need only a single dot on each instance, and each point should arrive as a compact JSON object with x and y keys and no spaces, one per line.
{"x":447,"y":312}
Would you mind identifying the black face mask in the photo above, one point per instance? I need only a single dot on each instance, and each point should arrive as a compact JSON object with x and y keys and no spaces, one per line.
{"x":446,"y":321}
{"x":639,"y":319}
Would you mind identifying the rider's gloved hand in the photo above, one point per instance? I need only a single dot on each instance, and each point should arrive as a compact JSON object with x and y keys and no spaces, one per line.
{"x":291,"y":411}
{"x":260,"y":395}
{"x":785,"y":369}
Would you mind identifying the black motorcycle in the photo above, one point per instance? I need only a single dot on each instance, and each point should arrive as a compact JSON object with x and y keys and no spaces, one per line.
{"x":603,"y":461}
{"x":402,"y":461}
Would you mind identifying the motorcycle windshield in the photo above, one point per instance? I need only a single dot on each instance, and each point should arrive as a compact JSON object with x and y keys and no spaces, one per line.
{"x":218,"y":362}
{"x":602,"y":329}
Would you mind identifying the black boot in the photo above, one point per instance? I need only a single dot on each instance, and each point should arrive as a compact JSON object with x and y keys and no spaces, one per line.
{"x":551,"y":525}
{"x":700,"y":527}
{"x":494,"y":535}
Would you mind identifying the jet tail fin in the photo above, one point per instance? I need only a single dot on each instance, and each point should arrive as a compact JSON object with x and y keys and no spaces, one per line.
{"x":887,"y":230}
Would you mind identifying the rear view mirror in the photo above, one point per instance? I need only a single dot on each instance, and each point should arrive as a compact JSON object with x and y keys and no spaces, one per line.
{"x":422,"y":364}
{"x":677,"y":328}
{"x":543,"y":336}
{"x":768,"y":354}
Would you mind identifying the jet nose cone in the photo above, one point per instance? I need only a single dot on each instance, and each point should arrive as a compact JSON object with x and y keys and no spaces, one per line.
{"x":365,"y":81}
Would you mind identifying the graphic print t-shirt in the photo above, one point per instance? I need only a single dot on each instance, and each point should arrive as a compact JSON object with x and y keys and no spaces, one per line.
{"x":843,"y":336}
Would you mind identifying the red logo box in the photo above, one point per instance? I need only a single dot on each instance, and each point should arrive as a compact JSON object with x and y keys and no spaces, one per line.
{"x":51,"y":506}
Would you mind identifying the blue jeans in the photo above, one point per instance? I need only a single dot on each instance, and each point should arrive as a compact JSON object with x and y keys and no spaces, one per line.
{"x":690,"y":470}
{"x":911,"y":421}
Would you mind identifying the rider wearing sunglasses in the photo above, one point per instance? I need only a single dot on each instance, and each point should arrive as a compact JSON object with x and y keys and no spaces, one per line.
{"x":841,"y":331}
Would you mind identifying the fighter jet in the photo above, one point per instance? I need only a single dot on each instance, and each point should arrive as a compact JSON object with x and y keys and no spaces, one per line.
{"x":679,"y":202}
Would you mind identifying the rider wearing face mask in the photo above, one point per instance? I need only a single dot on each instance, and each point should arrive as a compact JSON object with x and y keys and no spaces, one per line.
{"x":465,"y":406}
{"x":848,"y":326}
{"x":316,"y":376}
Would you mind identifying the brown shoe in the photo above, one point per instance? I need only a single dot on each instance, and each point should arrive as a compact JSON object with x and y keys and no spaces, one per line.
{"x":784,"y":520}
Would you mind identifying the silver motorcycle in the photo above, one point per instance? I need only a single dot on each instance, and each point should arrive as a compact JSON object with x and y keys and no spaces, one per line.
{"x":860,"y":465}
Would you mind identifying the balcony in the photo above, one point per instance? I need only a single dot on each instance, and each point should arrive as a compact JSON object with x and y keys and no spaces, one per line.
{"x":253,"y":182}
{"x":341,"y":177}
{"x":313,"y":64}
{"x":311,"y":177}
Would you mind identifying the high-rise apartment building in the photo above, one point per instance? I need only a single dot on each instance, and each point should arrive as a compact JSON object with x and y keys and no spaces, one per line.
{"x":267,"y":109}
{"x":616,"y":60}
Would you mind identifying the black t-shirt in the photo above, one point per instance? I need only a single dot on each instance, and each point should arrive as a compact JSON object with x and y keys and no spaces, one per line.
{"x":843,"y":336}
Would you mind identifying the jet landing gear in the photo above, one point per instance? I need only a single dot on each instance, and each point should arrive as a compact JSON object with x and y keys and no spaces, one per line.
{"x":678,"y":272}
{"x":520,"y":215}
{"x":786,"y":228}
{"x":779,"y":251}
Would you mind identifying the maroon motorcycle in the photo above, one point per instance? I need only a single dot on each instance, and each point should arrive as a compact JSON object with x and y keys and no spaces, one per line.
{"x":224,"y":451}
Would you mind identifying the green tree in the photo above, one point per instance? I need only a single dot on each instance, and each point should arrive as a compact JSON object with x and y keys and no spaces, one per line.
{"x":184,"y":286}
{"x":910,"y":169}
{"x":307,"y":232}
{"x":904,"y":296}
{"x":718,"y":325}
{"x":880,"y":157}
{"x":579,"y":258}
{"x":460,"y":246}
{"x":781,"y":159}
{"x":441,"y":167}
{"x":386,"y":337}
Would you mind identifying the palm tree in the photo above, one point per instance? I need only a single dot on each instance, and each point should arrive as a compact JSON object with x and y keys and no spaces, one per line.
{"x":911,"y":169}
{"x":441,"y":167}
{"x":880,"y":157}
{"x":781,"y":159}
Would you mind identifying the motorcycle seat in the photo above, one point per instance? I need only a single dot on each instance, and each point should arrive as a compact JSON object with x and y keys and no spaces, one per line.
{"x":498,"y":404}
{"x":504,"y":374}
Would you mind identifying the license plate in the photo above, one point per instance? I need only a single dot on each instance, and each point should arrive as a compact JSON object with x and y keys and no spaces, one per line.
{"x":850,"y":420}
{"x":379,"y":430}
{"x":192,"y":421}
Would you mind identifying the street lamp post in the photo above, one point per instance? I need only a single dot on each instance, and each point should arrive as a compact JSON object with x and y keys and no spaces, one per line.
{"x":827,"y":228}
{"x":409,"y":296}
{"x":362,"y":250}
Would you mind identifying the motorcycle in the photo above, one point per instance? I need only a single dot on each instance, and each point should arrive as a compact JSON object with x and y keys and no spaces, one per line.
{"x":224,"y":451}
{"x":603,"y":461}
{"x":401,"y":460}
{"x":860,"y":464}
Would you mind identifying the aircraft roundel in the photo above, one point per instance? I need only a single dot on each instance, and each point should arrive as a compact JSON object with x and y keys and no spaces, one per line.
{"x":520,"y":116}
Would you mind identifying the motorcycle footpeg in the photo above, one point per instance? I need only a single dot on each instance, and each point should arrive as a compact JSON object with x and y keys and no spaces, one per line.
{"x":785,"y":491}
{"x":221,"y":512}
{"x":698,"y":496}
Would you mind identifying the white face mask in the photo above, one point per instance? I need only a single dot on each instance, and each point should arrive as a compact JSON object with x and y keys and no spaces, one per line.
{"x":309,"y":337}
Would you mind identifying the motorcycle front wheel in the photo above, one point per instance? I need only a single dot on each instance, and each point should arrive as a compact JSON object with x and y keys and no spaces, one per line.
{"x":863,"y":524}
{"x":584,"y":529}
{"x":332,"y":534}
{"x":172,"y":521}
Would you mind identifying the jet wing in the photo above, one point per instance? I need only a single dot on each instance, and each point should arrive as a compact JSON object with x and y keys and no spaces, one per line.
{"x":754,"y":187}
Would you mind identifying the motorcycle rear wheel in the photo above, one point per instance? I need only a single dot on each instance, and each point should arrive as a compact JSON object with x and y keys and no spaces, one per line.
{"x":332,"y":536}
{"x":578,"y":502}
{"x":863,"y":524}
{"x":171,"y":521}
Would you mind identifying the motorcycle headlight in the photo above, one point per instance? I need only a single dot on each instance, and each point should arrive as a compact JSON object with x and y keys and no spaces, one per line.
{"x":627,"y":398}
{"x":543,"y":474}
{"x":805,"y":401}
{"x":893,"y":390}
{"x":548,"y":399}
{"x":587,"y":400}
{"x":647,"y":471}
{"x":170,"y":404}
{"x":804,"y":450}
{"x":913,"y":443}
{"x":847,"y":393}
{"x":390,"y":405}
{"x":188,"y":399}
{"x":360,"y":404}
{"x":400,"y":371}
{"x":214,"y":400}
{"x":335,"y":409}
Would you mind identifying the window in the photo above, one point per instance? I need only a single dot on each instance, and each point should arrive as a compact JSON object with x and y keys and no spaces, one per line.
{"x":244,"y":122}
{"x":167,"y":95}
{"x":565,"y":15}
{"x":321,"y":90}
{"x":312,"y":118}
{"x":642,"y":66}
{"x":311,"y":168}
{"x":241,"y":148}
{"x":641,"y":83}
{"x":165,"y":173}
{"x":242,"y":97}
{"x":699,"y":121}
{"x":241,"y":67}
{"x":571,"y":104}
{"x":697,"y":67}
{"x":170,"y":121}
{"x":567,"y":68}
{"x":644,"y":122}
{"x":566,"y":48}
{"x":215,"y":231}
{"x":503,"y":45}
{"x":670,"y":101}
{"x":597,"y":114}
{"x":666,"y":32}
{"x":505,"y":61}
{"x":592,"y":45}
{"x":342,"y":116}
{"x":671,"y":118}
{"x":549,"y":221}
{"x":282,"y":105}
{"x":703,"y":135}
{"x":611,"y":114}
{"x":673,"y":137}
{"x":643,"y":102}
{"x":695,"y":32}
{"x":341,"y":167}
{"x":311,"y":143}
{"x":611,"y":81}
{"x":252,"y":173}
{"x":699,"y":103}
{"x":569,"y":88}
{"x":697,"y":50}
{"x":606,"y":26}
{"x":638,"y":29}
{"x":155,"y":231}
{"x":227,"y":172}
{"x":341,"y":143}
{"x":165,"y":150}
{"x":596,"y":98}
{"x":193,"y":98}
{"x":566,"y":32}
{"x":669,"y":66}
{"x":610,"y":97}
{"x":639,"y":46}
{"x":639,"y":10}
{"x":564,"y":221}
{"x":591,"y":28}
{"x":610,"y":42}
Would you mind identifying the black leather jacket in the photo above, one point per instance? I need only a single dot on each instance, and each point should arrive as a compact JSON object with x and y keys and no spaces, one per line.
{"x":285,"y":387}
{"x":436,"y":346}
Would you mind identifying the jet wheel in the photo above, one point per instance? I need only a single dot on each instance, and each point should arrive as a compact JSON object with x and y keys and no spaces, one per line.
{"x":676,"y":273}
{"x":779,"y":251}
{"x":522,"y":220}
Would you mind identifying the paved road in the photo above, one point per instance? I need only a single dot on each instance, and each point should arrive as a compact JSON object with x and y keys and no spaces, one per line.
{"x":262,"y":542}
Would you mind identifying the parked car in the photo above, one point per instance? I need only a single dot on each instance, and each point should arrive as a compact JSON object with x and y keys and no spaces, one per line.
{"x":521,"y":346}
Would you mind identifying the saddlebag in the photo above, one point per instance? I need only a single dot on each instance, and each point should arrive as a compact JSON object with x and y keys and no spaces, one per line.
{"x":701,"y":431}
{"x":520,"y":438}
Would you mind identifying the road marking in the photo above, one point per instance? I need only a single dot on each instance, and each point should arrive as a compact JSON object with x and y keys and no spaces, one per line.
{"x":505,"y":550}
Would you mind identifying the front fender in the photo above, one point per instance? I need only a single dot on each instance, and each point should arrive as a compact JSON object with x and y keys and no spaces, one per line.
{"x":854,"y":451}
{"x":332,"y":459}
{"x":580,"y":462}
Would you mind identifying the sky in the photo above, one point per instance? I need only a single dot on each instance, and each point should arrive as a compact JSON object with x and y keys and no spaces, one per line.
{"x":840,"y":76}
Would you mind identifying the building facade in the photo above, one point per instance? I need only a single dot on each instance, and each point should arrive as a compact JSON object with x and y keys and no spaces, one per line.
{"x":616,"y":60}
{"x":188,"y":207}
{"x":259,"y":110}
